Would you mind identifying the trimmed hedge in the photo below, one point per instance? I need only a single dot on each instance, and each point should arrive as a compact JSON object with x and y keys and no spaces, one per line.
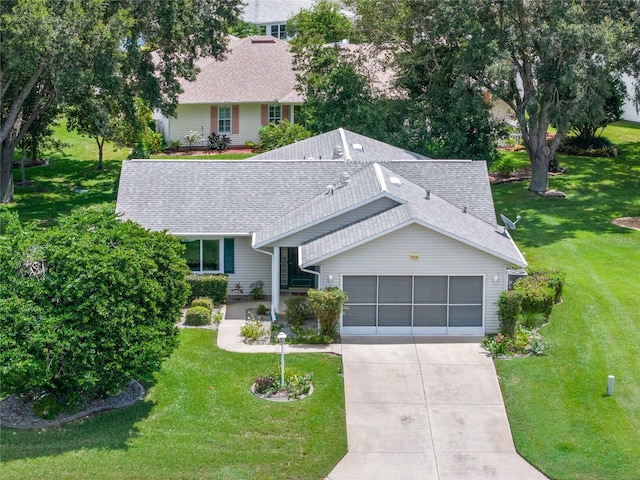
{"x":553,"y":278}
{"x":537,"y":295}
{"x":197,"y":316}
{"x":203,"y":302}
{"x":592,"y":147}
{"x":215,"y":287}
{"x":509,"y":310}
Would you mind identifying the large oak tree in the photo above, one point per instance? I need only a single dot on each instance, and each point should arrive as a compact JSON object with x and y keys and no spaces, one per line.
{"x":58,"y":51}
{"x":547,"y":59}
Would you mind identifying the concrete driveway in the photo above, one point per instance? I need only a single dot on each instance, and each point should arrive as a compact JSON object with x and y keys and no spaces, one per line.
{"x":425,"y":411}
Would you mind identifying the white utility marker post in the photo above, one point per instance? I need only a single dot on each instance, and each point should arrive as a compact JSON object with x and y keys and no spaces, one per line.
{"x":281,"y":338}
{"x":610,"y":381}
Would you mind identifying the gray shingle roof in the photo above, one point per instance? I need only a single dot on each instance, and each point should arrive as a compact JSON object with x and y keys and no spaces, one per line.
{"x":433,"y":213}
{"x":355,"y":148}
{"x":255,"y":70}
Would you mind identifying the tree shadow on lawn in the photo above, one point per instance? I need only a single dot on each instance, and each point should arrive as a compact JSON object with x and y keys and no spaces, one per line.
{"x":598,"y":190}
{"x":63,"y":185}
{"x":106,"y":430}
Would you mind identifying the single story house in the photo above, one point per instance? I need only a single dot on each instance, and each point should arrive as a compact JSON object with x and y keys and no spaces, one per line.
{"x":254,"y":85}
{"x":413,"y":241}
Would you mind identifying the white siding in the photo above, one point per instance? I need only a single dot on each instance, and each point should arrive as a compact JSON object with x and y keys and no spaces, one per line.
{"x":250,"y":266}
{"x":629,"y":111}
{"x":190,"y":117}
{"x":249,"y":124}
{"x":437,"y":255}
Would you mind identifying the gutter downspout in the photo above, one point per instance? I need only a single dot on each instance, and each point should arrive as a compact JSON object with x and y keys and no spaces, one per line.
{"x":273,"y":285}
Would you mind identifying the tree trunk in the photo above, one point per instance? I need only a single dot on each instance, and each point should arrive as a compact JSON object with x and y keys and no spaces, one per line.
{"x":6,"y":172}
{"x":100,"y":149}
{"x":540,"y":156}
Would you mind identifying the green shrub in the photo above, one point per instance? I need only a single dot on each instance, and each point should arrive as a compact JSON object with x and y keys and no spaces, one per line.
{"x":262,"y":309}
{"x":47,"y":407}
{"x":253,"y":330}
{"x":554,"y":278}
{"x":327,"y":306}
{"x":217,"y":317}
{"x":525,"y":341}
{"x":509,"y":309}
{"x":589,"y":147}
{"x":297,"y":310}
{"x":256,"y":290}
{"x":215,"y":287}
{"x":506,"y":166}
{"x":281,"y":134}
{"x":218,"y":142}
{"x":203,"y":302}
{"x":197,"y":316}
{"x":139,"y":151}
{"x":537,"y":295}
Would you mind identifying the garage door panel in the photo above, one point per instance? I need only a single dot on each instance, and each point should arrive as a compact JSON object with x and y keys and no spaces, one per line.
{"x":359,"y":316}
{"x":394,"y":289}
{"x":394,"y":315}
{"x":465,"y":290}
{"x":361,"y":289}
{"x":430,"y":289}
{"x":430,"y":315}
{"x":465,"y":316}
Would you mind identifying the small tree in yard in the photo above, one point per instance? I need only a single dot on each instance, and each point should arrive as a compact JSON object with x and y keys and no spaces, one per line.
{"x":327,"y":305}
{"x":86,"y":305}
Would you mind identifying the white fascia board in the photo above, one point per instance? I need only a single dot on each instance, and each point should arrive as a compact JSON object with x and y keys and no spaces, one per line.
{"x":329,"y":217}
{"x":520,"y":261}
{"x":315,"y":261}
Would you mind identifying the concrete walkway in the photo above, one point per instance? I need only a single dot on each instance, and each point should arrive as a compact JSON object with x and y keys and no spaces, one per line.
{"x":420,"y":408}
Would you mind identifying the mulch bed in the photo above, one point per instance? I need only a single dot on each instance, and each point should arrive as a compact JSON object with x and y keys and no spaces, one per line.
{"x":627,"y":222}
{"x":18,"y":413}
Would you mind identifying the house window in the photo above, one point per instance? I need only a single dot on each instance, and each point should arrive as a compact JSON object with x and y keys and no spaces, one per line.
{"x":202,"y":255}
{"x":224,"y":119}
{"x":279,"y":31}
{"x":275,"y":113}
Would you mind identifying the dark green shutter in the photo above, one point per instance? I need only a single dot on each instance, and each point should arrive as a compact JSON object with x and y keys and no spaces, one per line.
{"x":229,"y":265}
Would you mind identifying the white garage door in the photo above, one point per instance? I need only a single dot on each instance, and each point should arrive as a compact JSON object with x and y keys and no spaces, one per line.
{"x":413,"y":305}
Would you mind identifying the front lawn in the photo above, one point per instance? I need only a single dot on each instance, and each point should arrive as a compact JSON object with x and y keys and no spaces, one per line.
{"x":198,"y":420}
{"x":561,"y":420}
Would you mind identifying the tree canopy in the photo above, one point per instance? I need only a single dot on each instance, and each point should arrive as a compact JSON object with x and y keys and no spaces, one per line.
{"x":56,"y":52}
{"x":547,"y":59}
{"x":86,"y":305}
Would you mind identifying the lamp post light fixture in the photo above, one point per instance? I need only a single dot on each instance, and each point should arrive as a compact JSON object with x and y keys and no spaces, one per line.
{"x":281,"y":338}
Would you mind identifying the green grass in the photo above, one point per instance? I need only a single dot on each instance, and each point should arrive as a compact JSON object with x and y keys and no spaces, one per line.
{"x":199,"y":420}
{"x":53,"y":188}
{"x":562,"y":422}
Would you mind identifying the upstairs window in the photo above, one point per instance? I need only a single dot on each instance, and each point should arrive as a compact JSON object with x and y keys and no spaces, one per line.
{"x":279,"y":31}
{"x":224,"y":119}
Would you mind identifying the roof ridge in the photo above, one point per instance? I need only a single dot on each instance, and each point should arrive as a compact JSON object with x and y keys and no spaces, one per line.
{"x":380,"y":177}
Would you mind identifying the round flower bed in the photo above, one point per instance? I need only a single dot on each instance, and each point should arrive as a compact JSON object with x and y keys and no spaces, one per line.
{"x":295,"y":387}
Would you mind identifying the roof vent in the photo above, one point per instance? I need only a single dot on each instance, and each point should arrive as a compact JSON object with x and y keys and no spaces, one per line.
{"x":395,"y":181}
{"x":345,"y":179}
{"x":465,"y":209}
{"x":330,"y":190}
{"x":428,"y":196}
{"x":337,"y":152}
{"x":268,"y":39}
{"x":357,"y":146}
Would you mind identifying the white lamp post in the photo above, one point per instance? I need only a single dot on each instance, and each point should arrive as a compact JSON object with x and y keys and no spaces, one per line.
{"x":281,"y":338}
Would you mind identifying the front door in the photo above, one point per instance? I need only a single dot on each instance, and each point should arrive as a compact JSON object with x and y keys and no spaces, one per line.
{"x":291,"y":276}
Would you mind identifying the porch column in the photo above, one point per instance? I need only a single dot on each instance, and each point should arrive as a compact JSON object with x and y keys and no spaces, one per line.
{"x":275,"y":281}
